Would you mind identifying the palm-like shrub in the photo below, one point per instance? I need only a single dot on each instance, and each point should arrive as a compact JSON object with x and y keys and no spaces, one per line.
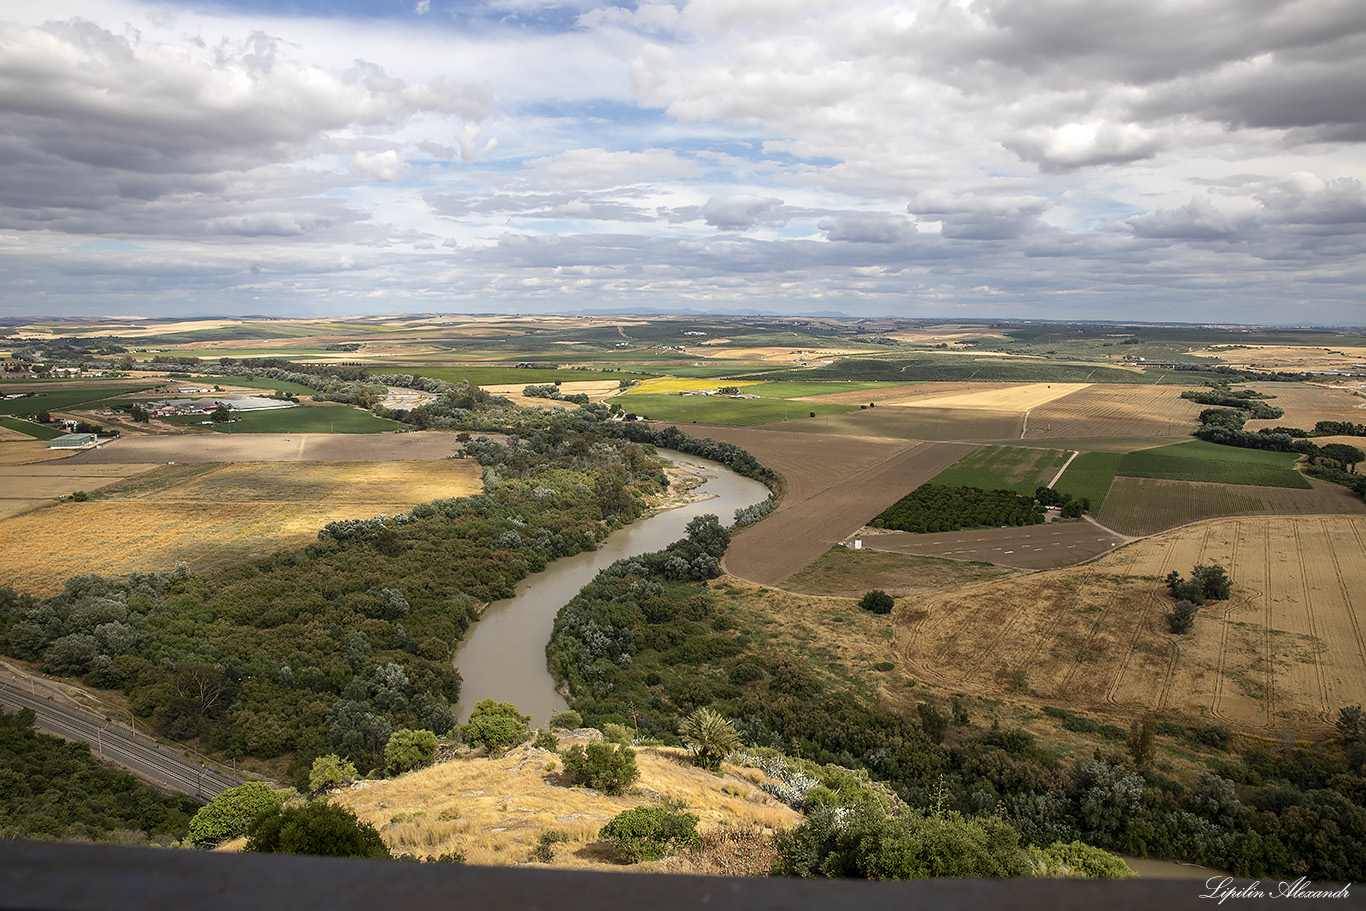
{"x":710,"y":736}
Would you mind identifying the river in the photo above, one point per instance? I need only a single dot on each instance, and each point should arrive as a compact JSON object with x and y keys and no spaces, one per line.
{"x":504,"y":656}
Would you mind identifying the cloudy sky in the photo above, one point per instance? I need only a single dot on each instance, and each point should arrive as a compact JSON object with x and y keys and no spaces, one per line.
{"x":1164,"y":160}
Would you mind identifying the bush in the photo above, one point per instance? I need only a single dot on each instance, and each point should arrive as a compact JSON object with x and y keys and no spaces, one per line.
{"x":877,"y":601}
{"x":232,"y":812}
{"x":616,"y":733}
{"x":568,"y":719}
{"x":602,"y":766}
{"x":408,"y":749}
{"x":651,"y":833}
{"x":1077,"y":861}
{"x":546,"y":740}
{"x":496,"y":725}
{"x":1181,"y":617}
{"x":320,"y":829}
{"x":866,"y":843}
{"x":330,"y":771}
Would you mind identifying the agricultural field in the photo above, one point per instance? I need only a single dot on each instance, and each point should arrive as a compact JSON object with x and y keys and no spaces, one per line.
{"x":506,"y":376}
{"x":1305,"y":405}
{"x":323,"y":418}
{"x":418,"y":445}
{"x":596,"y":392}
{"x":1048,"y":546}
{"x":1090,"y":475}
{"x":1201,"y":461}
{"x":848,"y":573}
{"x":61,"y":397}
{"x":211,"y":515}
{"x":13,"y":429}
{"x":1112,"y":410}
{"x":25,"y":487}
{"x":1146,"y":506}
{"x":1279,"y":658}
{"x":722,"y":410}
{"x":1005,"y":468}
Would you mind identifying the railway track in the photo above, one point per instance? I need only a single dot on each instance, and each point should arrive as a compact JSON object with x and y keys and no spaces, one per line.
{"x":149,"y":761}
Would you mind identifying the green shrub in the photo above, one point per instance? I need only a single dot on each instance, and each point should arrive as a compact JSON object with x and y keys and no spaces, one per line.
{"x":616,"y":733}
{"x":330,"y":771}
{"x":544,"y":851}
{"x":568,"y":719}
{"x":607,"y":768}
{"x":710,"y":736}
{"x":651,"y":833}
{"x":407,"y":750}
{"x":1077,"y":860}
{"x":232,"y":812}
{"x":1181,"y":617}
{"x":496,"y":725}
{"x":866,"y":843}
{"x":546,"y":740}
{"x":320,"y":829}
{"x":877,"y":601}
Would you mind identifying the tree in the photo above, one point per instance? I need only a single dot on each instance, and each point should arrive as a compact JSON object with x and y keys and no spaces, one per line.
{"x":1348,"y":455}
{"x":320,"y":829}
{"x":330,"y":771}
{"x":221,"y":414}
{"x":1141,"y":741}
{"x":408,"y":749}
{"x":1181,"y":617}
{"x":877,"y":601}
{"x":710,"y":736}
{"x":496,"y":725}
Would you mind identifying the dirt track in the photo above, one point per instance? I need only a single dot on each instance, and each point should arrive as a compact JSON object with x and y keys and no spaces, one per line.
{"x":276,"y":447}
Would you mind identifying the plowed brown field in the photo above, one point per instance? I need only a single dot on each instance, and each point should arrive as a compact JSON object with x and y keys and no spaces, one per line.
{"x":205,"y":517}
{"x":1283,"y":654}
{"x":1031,"y":547}
{"x":1114,"y":410}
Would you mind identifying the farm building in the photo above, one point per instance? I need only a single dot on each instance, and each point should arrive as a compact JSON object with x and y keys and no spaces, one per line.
{"x":73,"y":441}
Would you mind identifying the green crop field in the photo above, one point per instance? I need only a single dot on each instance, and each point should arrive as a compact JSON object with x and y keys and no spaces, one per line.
{"x":736,"y":369}
{"x":64,"y":399}
{"x":706,"y":409}
{"x":794,"y":390}
{"x":37,"y":431}
{"x":959,"y":368}
{"x":1090,"y":476}
{"x":310,"y":419}
{"x":1201,"y":461}
{"x":1004,"y":468}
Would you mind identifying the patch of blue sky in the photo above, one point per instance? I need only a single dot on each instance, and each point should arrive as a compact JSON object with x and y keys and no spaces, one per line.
{"x":106,"y":245}
{"x":600,"y":110}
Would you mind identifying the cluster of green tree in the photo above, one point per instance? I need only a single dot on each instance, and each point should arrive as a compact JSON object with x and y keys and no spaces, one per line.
{"x":1337,"y":429}
{"x":334,"y":648}
{"x":638,"y":647}
{"x":52,"y":788}
{"x":935,"y":508}
{"x":1226,"y":374}
{"x":1208,"y":582}
{"x":1069,"y":506}
{"x":733,"y":457}
{"x":1352,"y":481}
{"x":1241,"y":399}
{"x":552,"y":391}
{"x":1225,"y":426}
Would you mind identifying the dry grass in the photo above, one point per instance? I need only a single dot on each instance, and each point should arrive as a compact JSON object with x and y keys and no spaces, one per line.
{"x":1284,"y":653}
{"x":495,"y":810}
{"x":1014,"y":397}
{"x":206,"y":515}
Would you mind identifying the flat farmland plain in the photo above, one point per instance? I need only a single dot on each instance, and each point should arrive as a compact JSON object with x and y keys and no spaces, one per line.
{"x":22,"y":487}
{"x":1115,"y":410}
{"x":1305,"y":405}
{"x":207,"y":515}
{"x":1045,"y":546}
{"x":1283,"y":654}
{"x":276,"y":447}
{"x":1145,"y":506}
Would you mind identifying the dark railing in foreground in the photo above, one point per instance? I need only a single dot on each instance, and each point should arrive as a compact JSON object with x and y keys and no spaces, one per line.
{"x":45,"y":876}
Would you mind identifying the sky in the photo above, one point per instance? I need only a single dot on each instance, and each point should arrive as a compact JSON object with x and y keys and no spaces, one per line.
{"x":1136,"y":160}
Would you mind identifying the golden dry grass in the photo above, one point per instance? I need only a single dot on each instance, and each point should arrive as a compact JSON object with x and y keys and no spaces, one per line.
{"x":495,"y":810}
{"x":1284,"y":653}
{"x":24,"y":486}
{"x":596,"y":390}
{"x":1014,"y":397}
{"x":206,"y":515}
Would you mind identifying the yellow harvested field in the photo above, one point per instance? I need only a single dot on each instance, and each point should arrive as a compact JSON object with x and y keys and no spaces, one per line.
{"x":596,"y":390}
{"x":1292,"y":358}
{"x":1283,"y":654}
{"x":13,"y":436}
{"x":1115,"y":410}
{"x":1015,"y":397}
{"x":24,"y":486}
{"x":1306,"y":405}
{"x":210,"y":514}
{"x":495,"y":810}
{"x":28,"y":451}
